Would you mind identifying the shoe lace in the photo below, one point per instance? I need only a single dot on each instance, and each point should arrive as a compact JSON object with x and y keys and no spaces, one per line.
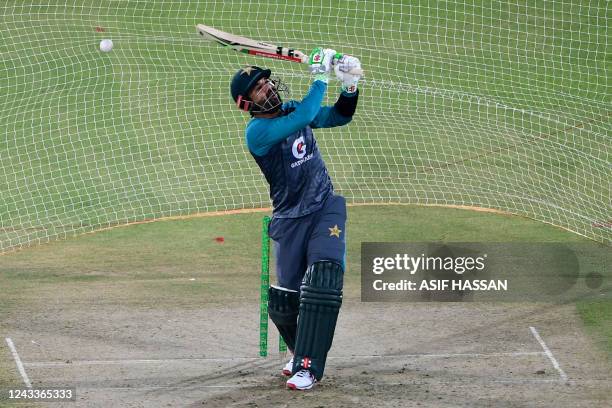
{"x":304,"y":374}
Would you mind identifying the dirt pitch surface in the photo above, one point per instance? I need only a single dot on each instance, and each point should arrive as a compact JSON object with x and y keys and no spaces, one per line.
{"x":384,"y":355}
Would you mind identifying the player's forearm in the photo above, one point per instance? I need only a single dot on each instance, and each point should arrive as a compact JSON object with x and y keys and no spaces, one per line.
{"x":303,"y":114}
{"x":309,"y":107}
{"x":338,"y":115}
{"x":347,"y":103}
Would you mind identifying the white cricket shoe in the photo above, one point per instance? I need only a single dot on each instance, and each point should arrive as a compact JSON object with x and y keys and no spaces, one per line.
{"x":288,"y":368}
{"x":302,"y":380}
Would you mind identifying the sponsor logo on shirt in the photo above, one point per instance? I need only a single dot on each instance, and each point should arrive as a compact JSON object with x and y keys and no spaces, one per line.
{"x":301,"y":161}
{"x":299,"y":148}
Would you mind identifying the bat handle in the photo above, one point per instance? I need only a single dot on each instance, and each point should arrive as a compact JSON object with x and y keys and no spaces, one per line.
{"x":301,"y":55}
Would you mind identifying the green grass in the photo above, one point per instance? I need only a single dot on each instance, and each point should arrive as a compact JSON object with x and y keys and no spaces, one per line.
{"x":159,"y":258}
{"x":141,"y":264}
{"x":597,"y":317}
{"x":492,"y":104}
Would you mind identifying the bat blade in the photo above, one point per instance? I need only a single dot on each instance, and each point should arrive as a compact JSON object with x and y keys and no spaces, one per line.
{"x":249,"y":46}
{"x":253,"y":47}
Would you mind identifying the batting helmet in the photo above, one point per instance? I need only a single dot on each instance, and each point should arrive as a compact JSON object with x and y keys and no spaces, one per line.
{"x":243,"y":81}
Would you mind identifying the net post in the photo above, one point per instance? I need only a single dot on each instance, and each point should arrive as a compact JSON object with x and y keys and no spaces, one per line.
{"x":264,"y":285}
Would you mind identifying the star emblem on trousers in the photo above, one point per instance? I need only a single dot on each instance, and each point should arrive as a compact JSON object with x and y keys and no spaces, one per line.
{"x":335,"y":231}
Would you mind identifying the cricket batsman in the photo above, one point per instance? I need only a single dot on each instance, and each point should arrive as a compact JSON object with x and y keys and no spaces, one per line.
{"x":308,"y":220}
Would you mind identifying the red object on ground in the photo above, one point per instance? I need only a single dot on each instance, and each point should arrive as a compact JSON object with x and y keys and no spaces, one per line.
{"x":220,"y":239}
{"x":99,"y":29}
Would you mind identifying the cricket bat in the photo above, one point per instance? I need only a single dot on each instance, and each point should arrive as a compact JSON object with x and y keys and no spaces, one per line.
{"x":253,"y":47}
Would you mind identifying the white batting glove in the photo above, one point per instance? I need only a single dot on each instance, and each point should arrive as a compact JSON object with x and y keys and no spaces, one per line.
{"x":342,"y":68}
{"x":320,"y":63}
{"x":345,"y":63}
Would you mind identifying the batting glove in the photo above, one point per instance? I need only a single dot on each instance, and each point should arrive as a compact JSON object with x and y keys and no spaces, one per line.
{"x":349,"y":81}
{"x":346,"y":63}
{"x":343,"y":67}
{"x":320,"y":63}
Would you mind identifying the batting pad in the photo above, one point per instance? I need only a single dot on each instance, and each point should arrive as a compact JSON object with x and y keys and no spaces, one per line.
{"x":283,"y":307}
{"x":320,"y":301}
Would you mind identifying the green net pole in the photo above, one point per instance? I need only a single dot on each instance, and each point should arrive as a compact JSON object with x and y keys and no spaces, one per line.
{"x":282,"y":347}
{"x":265,"y":283}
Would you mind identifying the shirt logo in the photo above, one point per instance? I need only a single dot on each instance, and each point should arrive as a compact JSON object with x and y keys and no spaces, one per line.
{"x":299,"y":148}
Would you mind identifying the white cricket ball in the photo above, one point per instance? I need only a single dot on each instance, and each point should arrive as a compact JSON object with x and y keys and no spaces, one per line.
{"x":106,"y":45}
